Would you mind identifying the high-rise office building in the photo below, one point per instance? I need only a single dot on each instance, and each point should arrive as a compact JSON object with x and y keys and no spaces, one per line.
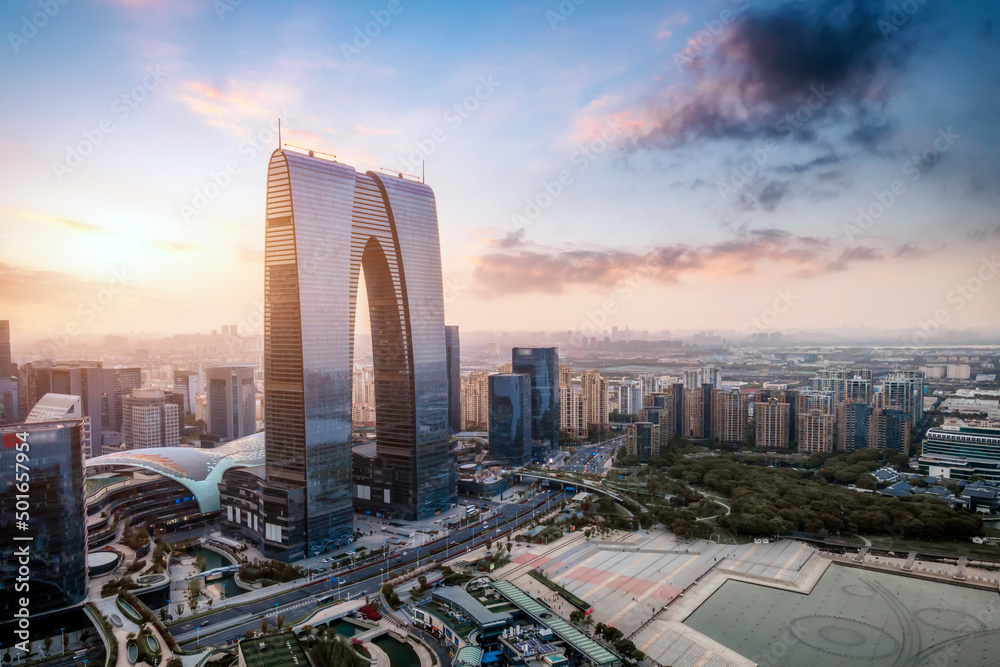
{"x":453,"y":353}
{"x":630,"y":397}
{"x":125,"y":381}
{"x":853,"y":426}
{"x":642,"y":439}
{"x":87,"y":380}
{"x":510,"y":418}
{"x":889,"y":429}
{"x":325,"y":223}
{"x":730,"y":414}
{"x":815,"y":432}
{"x":9,"y":404}
{"x":594,"y":395}
{"x":150,"y":420}
{"x":232,"y":402}
{"x":6,"y":359}
{"x":541,"y":364}
{"x":917,"y":382}
{"x":189,"y":384}
{"x":58,"y":517}
{"x":903,"y":393}
{"x":771,"y":419}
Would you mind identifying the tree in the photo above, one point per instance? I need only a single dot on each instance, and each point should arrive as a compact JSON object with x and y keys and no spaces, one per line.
{"x":576,"y":616}
{"x":248,"y":634}
{"x":263,"y":627}
{"x":331,"y":652}
{"x":47,"y":645}
{"x":180,"y":608}
{"x":279,"y":622}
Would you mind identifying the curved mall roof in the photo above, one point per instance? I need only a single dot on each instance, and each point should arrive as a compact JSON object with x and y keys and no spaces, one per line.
{"x":200,"y":470}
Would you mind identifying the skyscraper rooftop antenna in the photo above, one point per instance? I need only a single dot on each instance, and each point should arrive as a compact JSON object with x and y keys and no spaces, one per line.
{"x":423,"y":171}
{"x":401,"y":174}
{"x":279,"y":133}
{"x":310,"y":151}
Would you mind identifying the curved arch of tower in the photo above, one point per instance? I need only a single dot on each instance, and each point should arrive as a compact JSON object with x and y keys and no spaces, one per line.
{"x":325,"y":224}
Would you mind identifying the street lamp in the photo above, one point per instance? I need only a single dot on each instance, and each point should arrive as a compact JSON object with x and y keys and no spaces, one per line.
{"x":62,"y":640}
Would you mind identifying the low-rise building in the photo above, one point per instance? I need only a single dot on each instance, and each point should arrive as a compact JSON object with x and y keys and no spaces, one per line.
{"x":282,"y":650}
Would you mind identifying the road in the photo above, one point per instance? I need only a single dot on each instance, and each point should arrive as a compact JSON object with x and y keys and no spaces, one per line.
{"x":222,"y":625}
{"x":591,"y":458}
{"x":93,"y":655}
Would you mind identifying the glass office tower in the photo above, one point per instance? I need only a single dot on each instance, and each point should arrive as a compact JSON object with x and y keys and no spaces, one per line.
{"x":542,"y":365}
{"x":510,"y":418}
{"x":56,"y":511}
{"x":453,"y":350}
{"x":325,"y":224}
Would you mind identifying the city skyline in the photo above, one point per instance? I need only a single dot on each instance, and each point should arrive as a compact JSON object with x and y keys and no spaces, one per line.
{"x":512,"y":140}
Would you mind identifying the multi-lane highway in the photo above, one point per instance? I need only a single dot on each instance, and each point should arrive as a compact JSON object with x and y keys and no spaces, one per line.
{"x":591,"y":458}
{"x":232,"y":621}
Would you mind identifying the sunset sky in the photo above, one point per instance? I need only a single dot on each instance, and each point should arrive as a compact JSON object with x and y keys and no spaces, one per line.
{"x":580,"y":154}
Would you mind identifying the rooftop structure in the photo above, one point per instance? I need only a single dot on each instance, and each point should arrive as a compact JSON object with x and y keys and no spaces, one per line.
{"x":281,"y":650}
{"x":542,"y":615}
{"x":458,"y":598}
{"x":200,"y":470}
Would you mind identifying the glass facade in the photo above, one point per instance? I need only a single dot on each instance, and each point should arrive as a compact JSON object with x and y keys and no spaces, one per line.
{"x":325,"y":224}
{"x":542,"y":365}
{"x":643,"y":434}
{"x":857,"y":425}
{"x":232,"y":410}
{"x":510,"y":418}
{"x":453,"y":352}
{"x":56,"y":508}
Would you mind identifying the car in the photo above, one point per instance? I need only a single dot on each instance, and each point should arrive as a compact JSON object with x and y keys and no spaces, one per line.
{"x":203,"y":624}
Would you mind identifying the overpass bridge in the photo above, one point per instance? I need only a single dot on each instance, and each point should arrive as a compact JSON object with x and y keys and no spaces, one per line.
{"x":581,"y":483}
{"x":214,"y":572}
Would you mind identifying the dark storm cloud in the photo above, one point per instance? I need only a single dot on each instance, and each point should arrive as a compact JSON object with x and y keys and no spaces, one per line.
{"x":778,"y":71}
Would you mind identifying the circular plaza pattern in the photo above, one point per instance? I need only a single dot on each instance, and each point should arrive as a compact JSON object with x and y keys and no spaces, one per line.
{"x":950,"y":620}
{"x":844,"y":637}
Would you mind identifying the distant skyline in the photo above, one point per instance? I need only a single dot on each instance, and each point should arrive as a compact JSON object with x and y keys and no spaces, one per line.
{"x":586,"y":163}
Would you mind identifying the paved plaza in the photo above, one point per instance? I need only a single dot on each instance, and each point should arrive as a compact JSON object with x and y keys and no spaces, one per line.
{"x":637,"y":582}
